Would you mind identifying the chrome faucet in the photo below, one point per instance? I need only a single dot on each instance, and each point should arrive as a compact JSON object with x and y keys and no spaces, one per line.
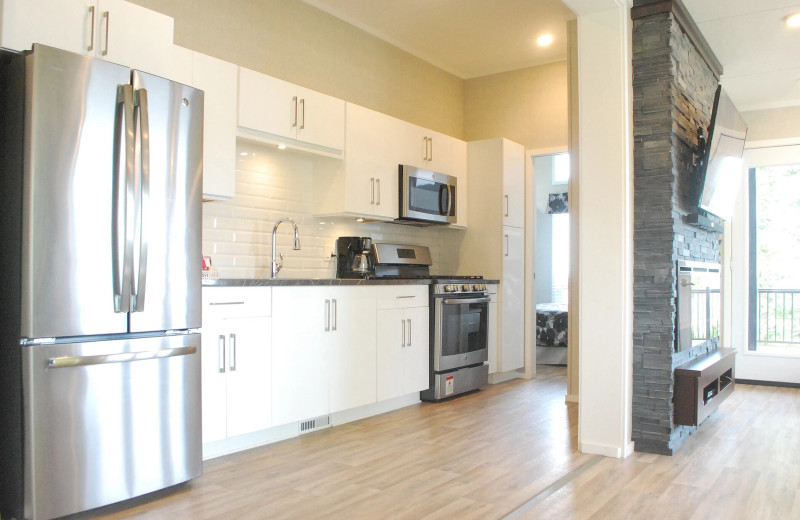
{"x":277,"y":266}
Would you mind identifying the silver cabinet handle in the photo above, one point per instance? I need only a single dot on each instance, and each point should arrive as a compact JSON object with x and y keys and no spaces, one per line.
{"x":226,"y":303}
{"x":335,"y":314}
{"x":402,"y":297}
{"x":91,"y":37}
{"x":107,"y":16}
{"x":378,"y":184}
{"x":506,"y":201}
{"x":506,"y":236}
{"x":294,"y":111}
{"x":233,"y":352}
{"x":141,"y":112}
{"x":372,"y":185}
{"x":122,"y":357}
{"x":327,"y":315}
{"x":221,"y":354}
{"x":302,"y":114}
{"x":430,"y":157}
{"x":402,"y":333}
{"x":408,"y":338}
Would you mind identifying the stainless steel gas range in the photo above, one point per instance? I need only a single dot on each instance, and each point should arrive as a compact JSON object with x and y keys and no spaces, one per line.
{"x":459,"y":320}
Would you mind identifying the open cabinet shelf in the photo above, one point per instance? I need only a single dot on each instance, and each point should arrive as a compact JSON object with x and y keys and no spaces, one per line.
{"x":702,"y":384}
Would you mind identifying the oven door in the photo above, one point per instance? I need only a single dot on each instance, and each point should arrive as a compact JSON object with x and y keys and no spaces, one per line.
{"x":461,"y":331}
{"x":427,"y":196}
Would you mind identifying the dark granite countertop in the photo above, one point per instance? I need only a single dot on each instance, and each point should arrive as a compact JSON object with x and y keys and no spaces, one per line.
{"x":291,"y":282}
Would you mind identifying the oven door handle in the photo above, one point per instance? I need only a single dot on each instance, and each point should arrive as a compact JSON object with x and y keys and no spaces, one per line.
{"x":459,"y":301}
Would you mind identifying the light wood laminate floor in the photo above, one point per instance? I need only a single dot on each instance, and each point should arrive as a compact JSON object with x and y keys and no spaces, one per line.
{"x":508,"y":451}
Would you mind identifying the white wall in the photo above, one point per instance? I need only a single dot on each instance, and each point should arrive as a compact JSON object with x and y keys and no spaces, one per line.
{"x":543,"y":168}
{"x":605,"y":227}
{"x":271,"y":184}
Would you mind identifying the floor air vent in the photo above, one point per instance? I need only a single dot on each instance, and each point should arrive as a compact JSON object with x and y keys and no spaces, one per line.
{"x":315,"y":424}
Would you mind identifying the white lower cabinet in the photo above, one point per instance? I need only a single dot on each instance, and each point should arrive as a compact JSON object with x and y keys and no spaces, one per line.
{"x":512,"y":303}
{"x":324,"y":351}
{"x":236,"y":341}
{"x":402,"y":341}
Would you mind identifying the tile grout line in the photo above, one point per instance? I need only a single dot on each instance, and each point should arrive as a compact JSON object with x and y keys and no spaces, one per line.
{"x":552,"y":488}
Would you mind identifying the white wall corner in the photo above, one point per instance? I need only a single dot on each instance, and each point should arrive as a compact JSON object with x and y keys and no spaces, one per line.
{"x":606,"y":231}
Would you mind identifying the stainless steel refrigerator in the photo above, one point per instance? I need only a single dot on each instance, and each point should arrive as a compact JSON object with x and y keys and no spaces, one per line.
{"x":101,"y":205}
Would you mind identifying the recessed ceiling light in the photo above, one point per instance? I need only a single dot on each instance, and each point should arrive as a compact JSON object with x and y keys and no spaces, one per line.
{"x":544,"y":40}
{"x":281,"y":147}
{"x":793,"y":20}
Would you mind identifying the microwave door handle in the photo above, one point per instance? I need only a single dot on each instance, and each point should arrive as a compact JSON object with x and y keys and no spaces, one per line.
{"x":444,"y":199}
{"x":451,"y":200}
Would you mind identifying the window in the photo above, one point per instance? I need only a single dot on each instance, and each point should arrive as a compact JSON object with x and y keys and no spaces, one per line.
{"x":560,"y":280}
{"x":774,"y":257}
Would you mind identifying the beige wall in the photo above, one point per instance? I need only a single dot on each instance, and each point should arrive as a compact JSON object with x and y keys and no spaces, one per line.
{"x":778,"y":123}
{"x":291,"y":40}
{"x":528,"y":106}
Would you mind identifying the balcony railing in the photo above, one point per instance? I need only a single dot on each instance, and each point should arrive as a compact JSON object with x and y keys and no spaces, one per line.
{"x":779,"y":316}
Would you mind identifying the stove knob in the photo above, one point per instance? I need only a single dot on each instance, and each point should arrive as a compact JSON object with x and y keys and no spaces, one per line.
{"x":448,"y":288}
{"x":465,"y":287}
{"x":483,"y":287}
{"x":476,"y":287}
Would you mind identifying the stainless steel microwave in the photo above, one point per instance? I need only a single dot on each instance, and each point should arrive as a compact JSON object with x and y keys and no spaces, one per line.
{"x":427,"y":197}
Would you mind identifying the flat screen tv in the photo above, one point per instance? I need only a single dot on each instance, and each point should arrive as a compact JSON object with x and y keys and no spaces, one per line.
{"x":721,"y":167}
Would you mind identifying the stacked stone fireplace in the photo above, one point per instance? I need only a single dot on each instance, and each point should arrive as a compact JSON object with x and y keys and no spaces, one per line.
{"x":675,"y":76}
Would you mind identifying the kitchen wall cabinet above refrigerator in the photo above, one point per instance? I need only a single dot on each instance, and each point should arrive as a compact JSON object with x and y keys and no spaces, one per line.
{"x":108,"y":29}
{"x":218,"y":80}
{"x":275,"y":111}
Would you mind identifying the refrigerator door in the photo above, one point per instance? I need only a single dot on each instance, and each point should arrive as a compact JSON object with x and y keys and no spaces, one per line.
{"x":169,"y":156}
{"x":70,"y":270}
{"x":109,"y":420}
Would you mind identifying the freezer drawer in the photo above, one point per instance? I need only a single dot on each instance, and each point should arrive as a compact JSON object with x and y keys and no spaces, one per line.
{"x":109,"y":420}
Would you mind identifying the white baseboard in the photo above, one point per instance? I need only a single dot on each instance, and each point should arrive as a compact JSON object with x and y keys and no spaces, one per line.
{"x":248,"y":441}
{"x":606,"y":450}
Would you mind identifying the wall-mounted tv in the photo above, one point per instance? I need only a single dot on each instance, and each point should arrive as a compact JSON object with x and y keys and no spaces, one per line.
{"x":721,"y":168}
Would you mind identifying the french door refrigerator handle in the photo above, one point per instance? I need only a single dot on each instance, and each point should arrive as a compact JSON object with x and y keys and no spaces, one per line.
{"x":122,"y":357}
{"x":122,"y":219}
{"x":140,"y":285}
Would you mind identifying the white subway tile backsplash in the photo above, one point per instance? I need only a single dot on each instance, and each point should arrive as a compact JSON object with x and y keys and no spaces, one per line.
{"x":271,"y":184}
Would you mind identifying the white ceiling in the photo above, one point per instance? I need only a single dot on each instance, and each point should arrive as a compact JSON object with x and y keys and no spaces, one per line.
{"x":468,"y":38}
{"x":760,"y":55}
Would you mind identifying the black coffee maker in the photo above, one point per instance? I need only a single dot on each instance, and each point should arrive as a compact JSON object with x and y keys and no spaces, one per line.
{"x":354,"y":257}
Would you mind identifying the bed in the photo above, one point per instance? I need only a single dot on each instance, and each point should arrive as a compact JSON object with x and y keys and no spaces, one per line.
{"x":551,"y":333}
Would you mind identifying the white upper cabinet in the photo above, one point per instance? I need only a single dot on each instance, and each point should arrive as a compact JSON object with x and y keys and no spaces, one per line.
{"x":113,"y":30}
{"x":217,"y":79}
{"x":284,"y":110}
{"x":513,"y":157}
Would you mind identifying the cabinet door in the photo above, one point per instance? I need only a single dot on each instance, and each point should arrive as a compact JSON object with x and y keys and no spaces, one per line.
{"x":391,"y":345}
{"x":299,"y":354}
{"x":66,"y":24}
{"x":320,"y":119}
{"x":248,"y":369}
{"x":214,"y":389}
{"x":352,"y":347}
{"x":133,"y":36}
{"x":417,"y":349}
{"x":267,"y":104}
{"x":492,"y":330}
{"x":371,"y":167}
{"x":513,"y":184}
{"x":512,"y":349}
{"x":217,"y":79}
{"x":458,"y":161}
